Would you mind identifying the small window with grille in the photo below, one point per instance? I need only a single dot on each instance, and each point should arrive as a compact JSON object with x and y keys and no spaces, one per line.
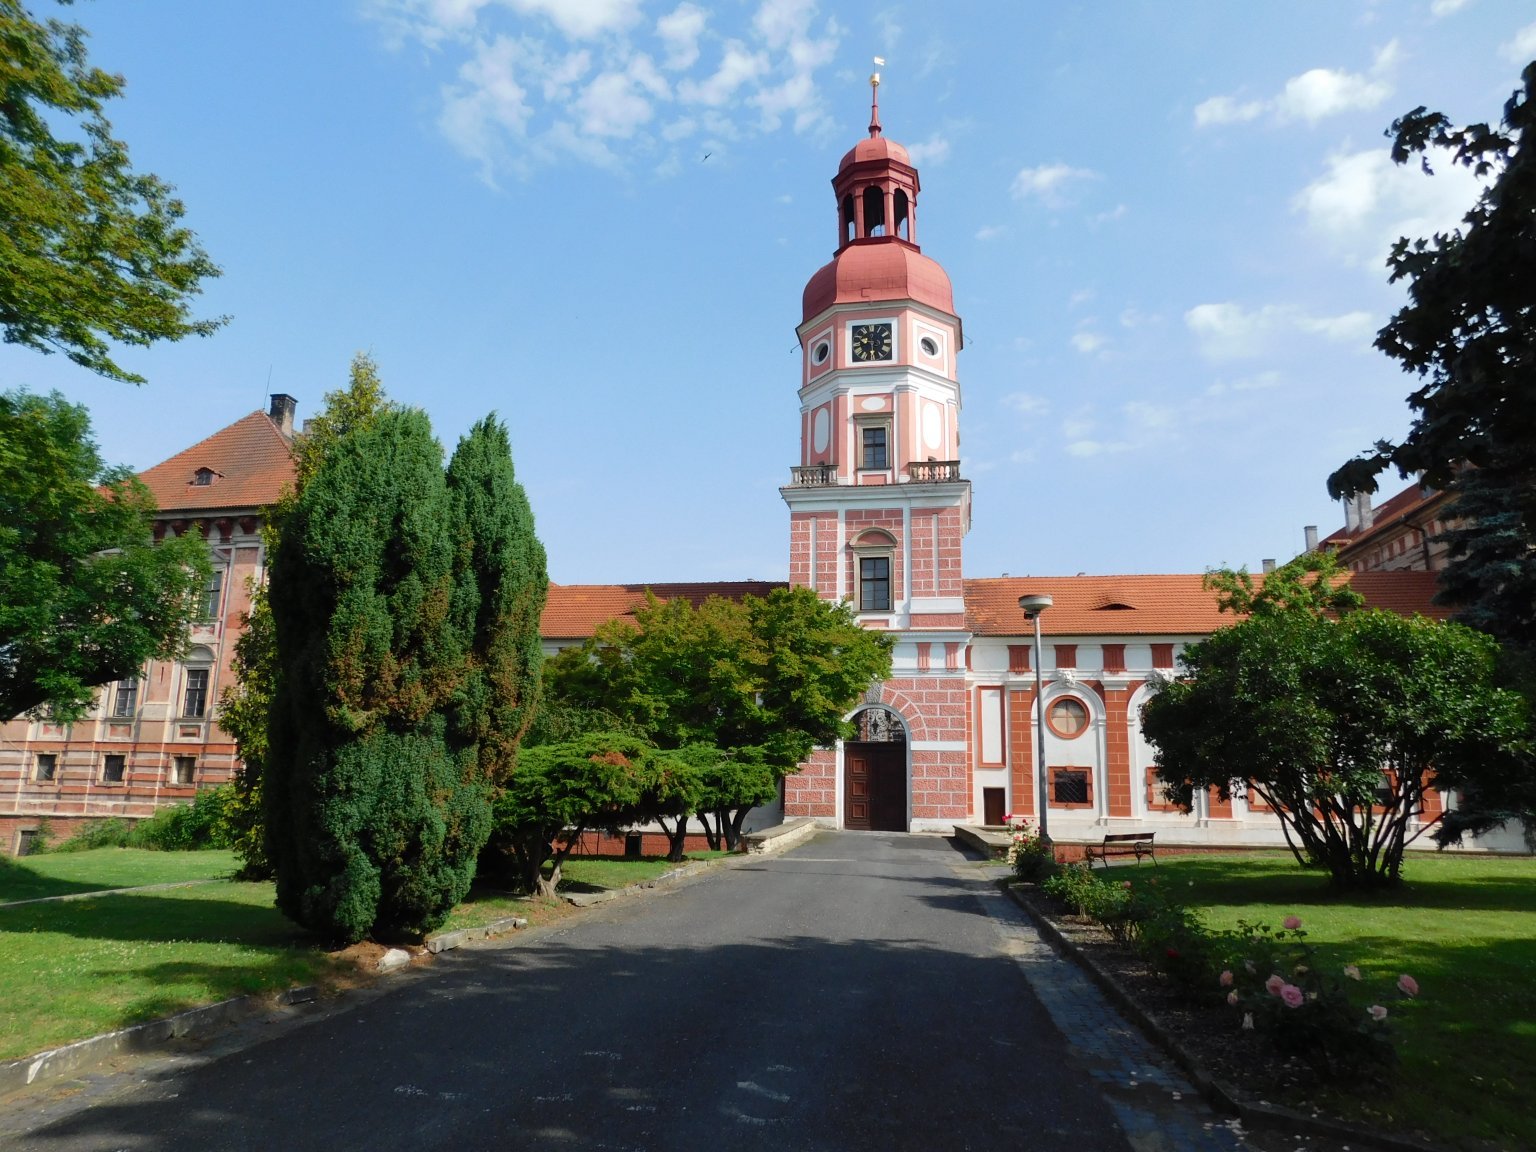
{"x":113,"y":766}
{"x":45,"y":767}
{"x":183,"y":769}
{"x":1069,"y":787}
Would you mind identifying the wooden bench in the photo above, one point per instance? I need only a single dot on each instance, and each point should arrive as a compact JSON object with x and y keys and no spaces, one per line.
{"x":1136,"y":844}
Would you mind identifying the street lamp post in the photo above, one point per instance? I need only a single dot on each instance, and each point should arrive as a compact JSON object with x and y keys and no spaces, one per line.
{"x":1032,"y":607}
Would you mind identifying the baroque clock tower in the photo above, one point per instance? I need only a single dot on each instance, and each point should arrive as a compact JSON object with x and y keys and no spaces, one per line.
{"x":877,"y":506}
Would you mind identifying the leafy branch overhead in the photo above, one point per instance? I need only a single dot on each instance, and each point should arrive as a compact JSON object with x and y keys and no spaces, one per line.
{"x":91,"y":252}
{"x":1469,"y":329}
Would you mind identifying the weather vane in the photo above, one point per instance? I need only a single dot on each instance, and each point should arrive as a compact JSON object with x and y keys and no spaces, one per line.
{"x":874,"y":97}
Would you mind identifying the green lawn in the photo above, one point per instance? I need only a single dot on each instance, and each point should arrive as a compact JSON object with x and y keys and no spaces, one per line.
{"x":61,"y":873}
{"x":590,"y":873}
{"x":74,"y":968}
{"x":1465,"y":928}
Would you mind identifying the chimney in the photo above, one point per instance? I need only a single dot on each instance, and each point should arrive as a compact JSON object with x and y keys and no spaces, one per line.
{"x":1269,"y":566}
{"x":1351,"y":515}
{"x":282,"y":410}
{"x":1365,"y":515}
{"x":1310,"y":532}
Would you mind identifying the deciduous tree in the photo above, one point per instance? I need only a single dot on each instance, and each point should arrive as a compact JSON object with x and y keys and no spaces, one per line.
{"x":92,"y":252}
{"x":1339,"y":725}
{"x":86,"y":596}
{"x":762,"y":681}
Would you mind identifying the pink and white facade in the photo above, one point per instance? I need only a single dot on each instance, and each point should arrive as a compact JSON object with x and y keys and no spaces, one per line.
{"x":879,"y":510}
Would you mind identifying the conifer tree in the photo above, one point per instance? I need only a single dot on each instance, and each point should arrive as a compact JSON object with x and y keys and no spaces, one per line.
{"x":376,"y":806}
{"x":499,"y":595}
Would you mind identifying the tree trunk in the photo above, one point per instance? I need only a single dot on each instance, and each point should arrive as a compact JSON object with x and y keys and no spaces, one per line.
{"x":677,"y":837}
{"x":733,"y":830}
{"x":712,"y":832}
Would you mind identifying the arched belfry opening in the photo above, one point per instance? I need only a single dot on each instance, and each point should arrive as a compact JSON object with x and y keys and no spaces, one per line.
{"x":875,"y":772}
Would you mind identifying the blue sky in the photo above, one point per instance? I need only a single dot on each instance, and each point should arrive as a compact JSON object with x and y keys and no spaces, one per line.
{"x":1165,"y":225}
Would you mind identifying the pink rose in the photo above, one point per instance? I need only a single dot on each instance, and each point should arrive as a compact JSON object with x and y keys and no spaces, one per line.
{"x":1293,"y":996}
{"x":1407,"y":985}
{"x":1352,"y":971}
{"x":1378,"y":1013}
{"x":1292,"y":922}
{"x":1274,"y":984}
{"x":1232,"y":999}
{"x":1226,"y":978}
{"x":1126,"y":884}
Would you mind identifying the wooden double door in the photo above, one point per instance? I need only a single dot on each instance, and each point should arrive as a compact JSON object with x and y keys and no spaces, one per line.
{"x":875,"y":786}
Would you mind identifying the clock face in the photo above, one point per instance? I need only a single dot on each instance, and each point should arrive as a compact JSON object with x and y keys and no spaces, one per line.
{"x":871,"y":342}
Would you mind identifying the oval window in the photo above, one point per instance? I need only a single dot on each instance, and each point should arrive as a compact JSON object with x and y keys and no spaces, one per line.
{"x":929,"y":345}
{"x":1068,"y":717}
{"x":820,"y":353}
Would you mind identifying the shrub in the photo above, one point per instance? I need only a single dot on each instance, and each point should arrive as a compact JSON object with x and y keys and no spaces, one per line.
{"x":1029,"y":855}
{"x":1305,"y":1008}
{"x":174,"y":828}
{"x":111,"y":833}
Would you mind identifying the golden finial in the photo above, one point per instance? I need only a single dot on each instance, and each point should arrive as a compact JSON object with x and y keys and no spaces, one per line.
{"x":874,"y":97}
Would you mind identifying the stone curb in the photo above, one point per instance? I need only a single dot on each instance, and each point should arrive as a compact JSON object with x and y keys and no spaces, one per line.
{"x":780,"y":837}
{"x":443,"y":941}
{"x":1219,"y":1094}
{"x":988,"y":843}
{"x":83,"y":1054}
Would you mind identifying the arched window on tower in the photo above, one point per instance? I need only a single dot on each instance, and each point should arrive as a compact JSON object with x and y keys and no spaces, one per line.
{"x":903,"y":223}
{"x":874,"y":212}
{"x":848,"y":219}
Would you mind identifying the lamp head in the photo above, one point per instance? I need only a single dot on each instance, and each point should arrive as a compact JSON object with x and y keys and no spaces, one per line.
{"x":1035,"y":604}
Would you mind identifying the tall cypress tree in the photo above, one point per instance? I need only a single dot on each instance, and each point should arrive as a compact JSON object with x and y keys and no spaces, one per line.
{"x":501,"y":585}
{"x":375,"y":804}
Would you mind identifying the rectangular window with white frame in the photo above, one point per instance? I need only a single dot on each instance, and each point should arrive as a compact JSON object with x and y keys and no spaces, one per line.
{"x":125,"y":698}
{"x":195,"y":699}
{"x":45,"y":767}
{"x":874,"y":584}
{"x":183,"y":769}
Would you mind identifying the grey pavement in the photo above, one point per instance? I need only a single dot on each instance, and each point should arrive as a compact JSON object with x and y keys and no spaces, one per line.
{"x":863,"y":991}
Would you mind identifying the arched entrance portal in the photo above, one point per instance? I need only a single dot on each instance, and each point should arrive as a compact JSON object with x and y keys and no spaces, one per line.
{"x":875,"y":773}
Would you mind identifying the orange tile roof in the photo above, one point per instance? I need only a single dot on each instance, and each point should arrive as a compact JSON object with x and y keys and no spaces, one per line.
{"x":1387,"y":513}
{"x":1175,"y":605}
{"x":251,"y":464}
{"x":574,"y":611}
{"x":1095,"y":605}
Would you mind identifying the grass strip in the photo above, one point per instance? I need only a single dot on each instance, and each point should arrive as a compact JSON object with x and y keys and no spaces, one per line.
{"x":1464,"y":927}
{"x":65,"y":873}
{"x":77,"y":968}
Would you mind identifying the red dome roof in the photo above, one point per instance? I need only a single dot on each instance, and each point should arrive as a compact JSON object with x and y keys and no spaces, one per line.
{"x":881,"y":269}
{"x":875,"y":148}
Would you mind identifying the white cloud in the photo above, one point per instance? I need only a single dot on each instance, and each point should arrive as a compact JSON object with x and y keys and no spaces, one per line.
{"x":1228,"y":331}
{"x":612,"y":106}
{"x":1364,"y":202}
{"x":1255,"y":383}
{"x":581,"y":19}
{"x":1325,"y":92}
{"x":1048,"y":182}
{"x":991,"y":232}
{"x":1445,"y":7}
{"x":1226,"y":110}
{"x":932,"y":151}
{"x":1116,"y":213}
{"x":1027,"y":403}
{"x":535,"y":81}
{"x":1522,"y":46}
{"x":1086,"y":449}
{"x":1088,"y":342}
{"x":679,"y":31}
{"x":1312,"y":96}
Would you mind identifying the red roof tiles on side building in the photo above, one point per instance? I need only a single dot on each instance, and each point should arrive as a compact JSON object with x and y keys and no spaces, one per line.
{"x":1175,"y":605}
{"x":574,"y":611}
{"x":250,"y":463}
